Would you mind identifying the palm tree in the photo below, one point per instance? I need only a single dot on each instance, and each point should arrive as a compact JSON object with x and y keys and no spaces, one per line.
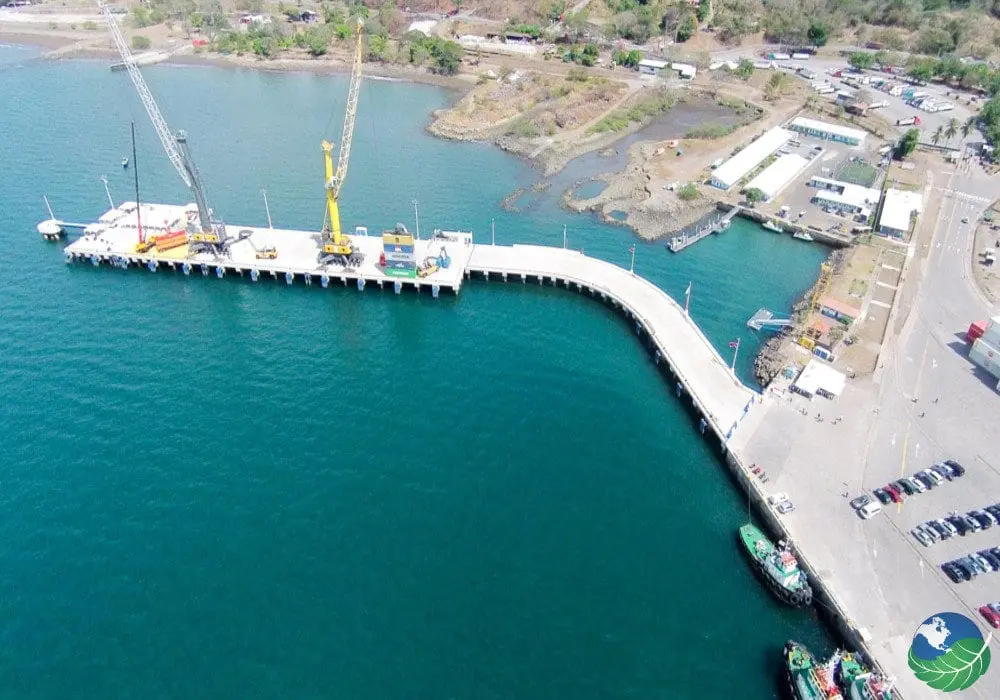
{"x":968,"y":127}
{"x":951,"y":131}
{"x":936,"y":136}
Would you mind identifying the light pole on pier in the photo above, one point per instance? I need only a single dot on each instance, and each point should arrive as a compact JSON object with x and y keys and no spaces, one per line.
{"x":735,"y":345}
{"x":631,"y":267}
{"x":416,"y":215}
{"x":107,"y":191}
{"x":267,"y":209}
{"x":564,"y":235}
{"x":493,"y":232}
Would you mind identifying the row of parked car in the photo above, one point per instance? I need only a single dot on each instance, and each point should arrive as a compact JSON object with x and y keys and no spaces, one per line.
{"x":968,"y":567}
{"x":934,"y":531}
{"x":924,"y":480}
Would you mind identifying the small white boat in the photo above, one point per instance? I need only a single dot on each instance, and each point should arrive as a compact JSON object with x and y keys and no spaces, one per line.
{"x":771,"y":226}
{"x":124,"y":162}
{"x":802,"y":236}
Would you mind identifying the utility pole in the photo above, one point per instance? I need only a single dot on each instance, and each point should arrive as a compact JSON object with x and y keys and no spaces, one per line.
{"x":564,"y":235}
{"x":631,"y":267}
{"x":267,"y":209}
{"x":104,"y":179}
{"x":416,"y":214}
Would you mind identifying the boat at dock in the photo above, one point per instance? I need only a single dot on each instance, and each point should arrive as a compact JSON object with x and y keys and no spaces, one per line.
{"x":807,"y":679}
{"x":777,"y":566}
{"x":771,"y":226}
{"x":857,"y":682}
{"x":803,"y":236}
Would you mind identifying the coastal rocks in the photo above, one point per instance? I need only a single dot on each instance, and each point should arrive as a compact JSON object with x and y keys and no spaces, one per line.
{"x":649,"y":211}
{"x":770,"y":360}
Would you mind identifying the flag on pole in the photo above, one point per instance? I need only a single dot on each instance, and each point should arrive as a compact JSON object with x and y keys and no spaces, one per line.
{"x":687,"y":298}
{"x":734,"y":343}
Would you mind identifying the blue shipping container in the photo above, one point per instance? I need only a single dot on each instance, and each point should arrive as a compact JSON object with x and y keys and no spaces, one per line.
{"x":408,"y":249}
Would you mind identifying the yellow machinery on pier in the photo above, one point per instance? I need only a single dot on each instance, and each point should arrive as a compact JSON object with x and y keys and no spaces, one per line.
{"x":337,"y":246}
{"x":819,"y":291}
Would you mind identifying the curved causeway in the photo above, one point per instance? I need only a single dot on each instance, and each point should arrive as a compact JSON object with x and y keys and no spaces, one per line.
{"x":718,"y":394}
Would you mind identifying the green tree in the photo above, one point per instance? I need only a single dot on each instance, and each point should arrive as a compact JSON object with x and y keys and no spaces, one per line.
{"x":754,"y":195}
{"x":862,"y":60}
{"x":744,"y":69}
{"x":776,"y":85}
{"x":907,"y":143}
{"x":378,"y":48}
{"x":687,"y":27}
{"x":688,"y":192}
{"x":704,"y":7}
{"x":818,"y":33}
{"x":140,"y":42}
{"x":951,"y":130}
{"x":968,"y":126}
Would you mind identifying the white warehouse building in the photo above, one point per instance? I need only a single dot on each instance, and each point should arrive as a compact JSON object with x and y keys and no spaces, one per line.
{"x":737,"y":167}
{"x":778,"y":174}
{"x":897,"y":212}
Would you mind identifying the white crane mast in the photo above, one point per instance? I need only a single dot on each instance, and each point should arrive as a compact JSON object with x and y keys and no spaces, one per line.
{"x":159,"y":123}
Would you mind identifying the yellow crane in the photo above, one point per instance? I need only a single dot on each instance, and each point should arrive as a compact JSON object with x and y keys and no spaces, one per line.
{"x":819,"y":291}
{"x":336,"y":245}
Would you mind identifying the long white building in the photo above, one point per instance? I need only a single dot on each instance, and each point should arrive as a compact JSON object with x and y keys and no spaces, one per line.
{"x":737,"y":167}
{"x":778,"y":174}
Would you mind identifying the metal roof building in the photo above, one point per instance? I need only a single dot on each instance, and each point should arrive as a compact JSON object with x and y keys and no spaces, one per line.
{"x":734,"y":169}
{"x":897,"y":212}
{"x":774,"y":177}
{"x":824,"y":130}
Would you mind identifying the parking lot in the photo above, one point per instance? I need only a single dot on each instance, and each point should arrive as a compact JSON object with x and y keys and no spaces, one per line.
{"x":834,"y":160}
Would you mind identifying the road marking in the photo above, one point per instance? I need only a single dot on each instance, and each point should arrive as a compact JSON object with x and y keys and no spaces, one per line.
{"x":885,"y":284}
{"x":892,"y":440}
{"x":890,"y":267}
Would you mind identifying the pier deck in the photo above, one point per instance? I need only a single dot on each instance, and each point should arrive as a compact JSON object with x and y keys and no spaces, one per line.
{"x":114,"y":236}
{"x":679,"y":243}
{"x":722,"y":399}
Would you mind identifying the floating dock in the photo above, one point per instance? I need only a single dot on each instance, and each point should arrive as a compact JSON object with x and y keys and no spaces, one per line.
{"x":112,"y":240}
{"x":765,"y":320}
{"x":679,"y":243}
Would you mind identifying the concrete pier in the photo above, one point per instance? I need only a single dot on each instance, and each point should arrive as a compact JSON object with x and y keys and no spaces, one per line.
{"x":113,"y":238}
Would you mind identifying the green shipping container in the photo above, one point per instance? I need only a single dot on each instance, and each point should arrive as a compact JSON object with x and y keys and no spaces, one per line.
{"x":399,"y":272}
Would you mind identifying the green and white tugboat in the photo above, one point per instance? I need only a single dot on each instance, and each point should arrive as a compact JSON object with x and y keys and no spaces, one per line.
{"x":777,"y":566}
{"x":808,"y":679}
{"x":856,"y":682}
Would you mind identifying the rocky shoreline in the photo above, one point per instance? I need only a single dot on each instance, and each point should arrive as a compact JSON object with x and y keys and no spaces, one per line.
{"x":652,"y":214}
{"x":773,"y":356}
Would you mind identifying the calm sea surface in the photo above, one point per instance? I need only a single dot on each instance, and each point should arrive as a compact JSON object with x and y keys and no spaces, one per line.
{"x":212,"y":489}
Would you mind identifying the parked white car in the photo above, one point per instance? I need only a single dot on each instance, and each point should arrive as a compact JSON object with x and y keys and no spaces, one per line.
{"x":870,"y":510}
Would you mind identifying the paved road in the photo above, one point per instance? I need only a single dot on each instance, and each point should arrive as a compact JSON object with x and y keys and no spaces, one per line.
{"x":886,"y":580}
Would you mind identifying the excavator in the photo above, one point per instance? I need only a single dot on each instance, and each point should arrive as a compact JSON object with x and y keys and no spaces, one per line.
{"x":336,"y":247}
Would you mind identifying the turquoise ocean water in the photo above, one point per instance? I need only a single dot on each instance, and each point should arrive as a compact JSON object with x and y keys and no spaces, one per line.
{"x":216,"y":489}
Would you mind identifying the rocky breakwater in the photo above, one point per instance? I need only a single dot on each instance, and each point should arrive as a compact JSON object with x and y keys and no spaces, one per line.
{"x":652,"y":208}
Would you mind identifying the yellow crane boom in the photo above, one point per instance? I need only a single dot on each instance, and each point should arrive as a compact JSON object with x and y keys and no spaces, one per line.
{"x":334,"y":241}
